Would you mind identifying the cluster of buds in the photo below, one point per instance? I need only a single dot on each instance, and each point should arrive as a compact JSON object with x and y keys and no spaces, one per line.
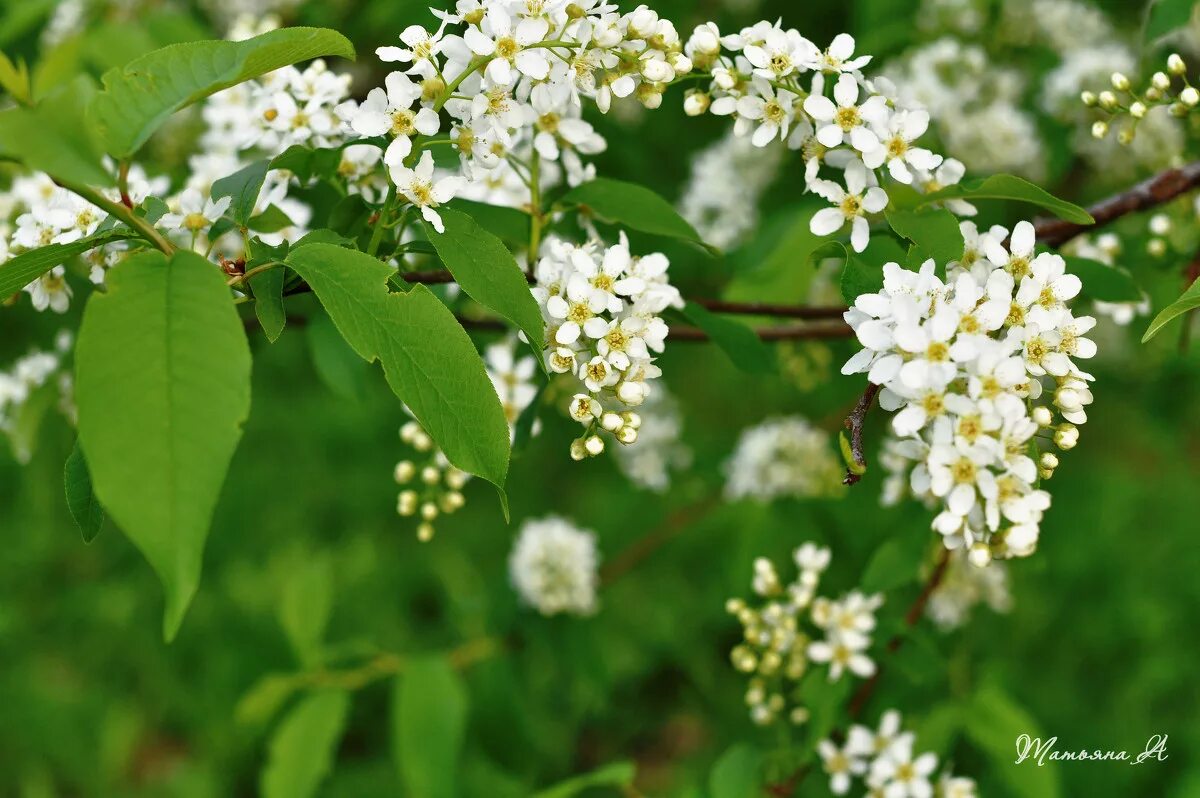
{"x":1170,"y":89}
{"x":782,"y":637}
{"x":431,"y":487}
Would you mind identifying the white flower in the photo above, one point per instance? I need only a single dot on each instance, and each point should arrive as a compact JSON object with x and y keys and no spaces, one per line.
{"x":895,"y":146}
{"x":391,"y":113}
{"x":421,"y":52}
{"x":780,"y":53}
{"x":839,"y":57}
{"x":50,"y":291}
{"x":866,"y":743}
{"x":507,"y":46}
{"x":847,"y":120}
{"x":772,"y":110}
{"x":553,"y":567}
{"x":840,"y":765}
{"x":195,"y":214}
{"x":850,"y":205}
{"x":784,"y":457}
{"x":419,"y":187}
{"x":904,"y":776}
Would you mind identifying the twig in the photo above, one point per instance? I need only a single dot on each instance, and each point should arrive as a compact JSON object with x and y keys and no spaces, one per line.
{"x":854,"y":423}
{"x":858,"y":701}
{"x":655,"y":539}
{"x":1157,"y":190}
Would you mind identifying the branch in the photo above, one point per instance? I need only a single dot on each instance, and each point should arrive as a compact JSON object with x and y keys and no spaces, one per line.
{"x":1157,"y":190}
{"x":655,"y":539}
{"x":854,"y":423}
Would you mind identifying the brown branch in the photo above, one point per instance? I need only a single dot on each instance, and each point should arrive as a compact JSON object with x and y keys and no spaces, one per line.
{"x":854,"y":423}
{"x":1157,"y":190}
{"x":656,"y":538}
{"x":858,"y":701}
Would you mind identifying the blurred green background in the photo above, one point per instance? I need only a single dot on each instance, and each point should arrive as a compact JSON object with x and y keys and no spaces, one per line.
{"x":1098,"y":650}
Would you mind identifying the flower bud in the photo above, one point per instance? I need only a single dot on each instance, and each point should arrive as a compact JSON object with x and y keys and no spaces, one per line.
{"x":1137,"y":110}
{"x":1089,"y":98}
{"x":705,"y":39}
{"x":1175,"y":65}
{"x":1049,"y":460}
{"x":612,"y":422}
{"x":1042,"y":416}
{"x":632,"y":419}
{"x":1177,"y":110}
{"x":1156,"y":247}
{"x":406,"y":503}
{"x":681,"y":64}
{"x":657,"y":71}
{"x":1120,"y":82}
{"x":1189,"y":97}
{"x":1108,"y":100}
{"x":578,"y":452}
{"x":594,"y":445}
{"x":979,"y":555}
{"x":430,"y":475}
{"x":455,"y":479}
{"x":631,"y":393}
{"x":696,"y":103}
{"x":425,"y":532}
{"x":1066,"y":437}
{"x":649,"y":96}
{"x":584,"y":408}
{"x":452,"y":501}
{"x":409,"y":432}
{"x":627,"y":435}
{"x":1160,"y":81}
{"x":1153,"y":94}
{"x":429,"y":511}
{"x":1160,"y":224}
{"x":405,"y":471}
{"x":1100,"y":130}
{"x":1125,"y":136}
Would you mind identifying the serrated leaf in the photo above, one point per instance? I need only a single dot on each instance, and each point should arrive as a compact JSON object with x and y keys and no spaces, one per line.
{"x":304,"y":746}
{"x":81,"y":499}
{"x":309,"y":162}
{"x":740,"y":344}
{"x":1010,"y":187}
{"x":896,"y":562}
{"x":632,"y":206}
{"x":484,"y":268}
{"x":429,"y":719}
{"x":49,"y":137}
{"x":272,"y":220}
{"x":1167,"y":16}
{"x":737,"y":774}
{"x":615,"y":775}
{"x":140,"y":96}
{"x":1190,"y":300}
{"x":305,"y":606}
{"x":429,"y":360}
{"x":23,"y":269}
{"x":934,"y":230}
{"x":14,"y":79}
{"x":163,"y":388}
{"x":242,"y":187}
{"x":1103,"y":282}
{"x":267,"y":288}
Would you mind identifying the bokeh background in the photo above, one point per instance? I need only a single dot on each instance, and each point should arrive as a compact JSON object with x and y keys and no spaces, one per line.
{"x":1098,"y":649}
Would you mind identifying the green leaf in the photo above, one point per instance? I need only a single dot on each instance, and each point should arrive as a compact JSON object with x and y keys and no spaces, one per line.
{"x":81,"y":500}
{"x":632,"y":206}
{"x":140,"y":96}
{"x":338,"y":366}
{"x":163,"y":387}
{"x":737,"y":774}
{"x":429,"y":360}
{"x":28,"y":266}
{"x":1167,"y":16}
{"x":993,"y":722}
{"x":14,"y":79}
{"x":510,"y":225}
{"x":308,"y":162}
{"x":935,"y":230}
{"x":265,"y":697}
{"x":243,"y":187}
{"x":304,"y":746}
{"x":1103,"y":282}
{"x":617,"y":775}
{"x":306,"y":605}
{"x":740,"y":344}
{"x":267,"y":288}
{"x":50,"y":138}
{"x":895,"y":563}
{"x":1010,"y":187}
{"x":486,"y":270}
{"x":863,"y":271}
{"x":429,"y":720}
{"x":1190,"y":300}
{"x":272,"y":220}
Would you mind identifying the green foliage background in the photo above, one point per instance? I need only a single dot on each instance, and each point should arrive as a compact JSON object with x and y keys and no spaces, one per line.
{"x":1099,"y":649}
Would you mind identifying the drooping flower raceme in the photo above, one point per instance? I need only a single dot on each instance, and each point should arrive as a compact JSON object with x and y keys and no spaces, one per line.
{"x":553,"y":566}
{"x":602,"y":308}
{"x":978,"y":366}
{"x":785,"y":457}
{"x":795,"y":628}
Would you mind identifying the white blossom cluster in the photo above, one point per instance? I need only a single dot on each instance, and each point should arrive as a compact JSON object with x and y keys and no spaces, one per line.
{"x":430,"y":486}
{"x":979,"y":366}
{"x":554,"y":567}
{"x":726,"y":181}
{"x":886,"y":762}
{"x":963,"y":587}
{"x":602,"y":307}
{"x":1106,"y":248}
{"x":783,"y":457}
{"x":795,"y":628}
{"x":25,"y":379}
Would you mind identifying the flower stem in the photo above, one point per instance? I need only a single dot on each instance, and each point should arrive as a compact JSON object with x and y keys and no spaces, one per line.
{"x":126,"y":215}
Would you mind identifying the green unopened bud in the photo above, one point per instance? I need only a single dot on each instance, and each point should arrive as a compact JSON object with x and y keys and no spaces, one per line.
{"x":1125,"y":136}
{"x":1108,"y":100}
{"x":1153,"y":95}
{"x":1089,"y":98}
{"x":1120,"y":82}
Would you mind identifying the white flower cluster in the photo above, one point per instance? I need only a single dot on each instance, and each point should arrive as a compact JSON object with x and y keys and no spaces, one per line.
{"x":977,"y":367}
{"x":431,"y":486}
{"x":1105,"y":248}
{"x":724,"y":186}
{"x":602,"y":308}
{"x":553,"y":566}
{"x":28,"y":377}
{"x":780,"y":86}
{"x":962,"y":587}
{"x":512,"y":377}
{"x":783,"y":457}
{"x":777,"y":648}
{"x":885,"y":761}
